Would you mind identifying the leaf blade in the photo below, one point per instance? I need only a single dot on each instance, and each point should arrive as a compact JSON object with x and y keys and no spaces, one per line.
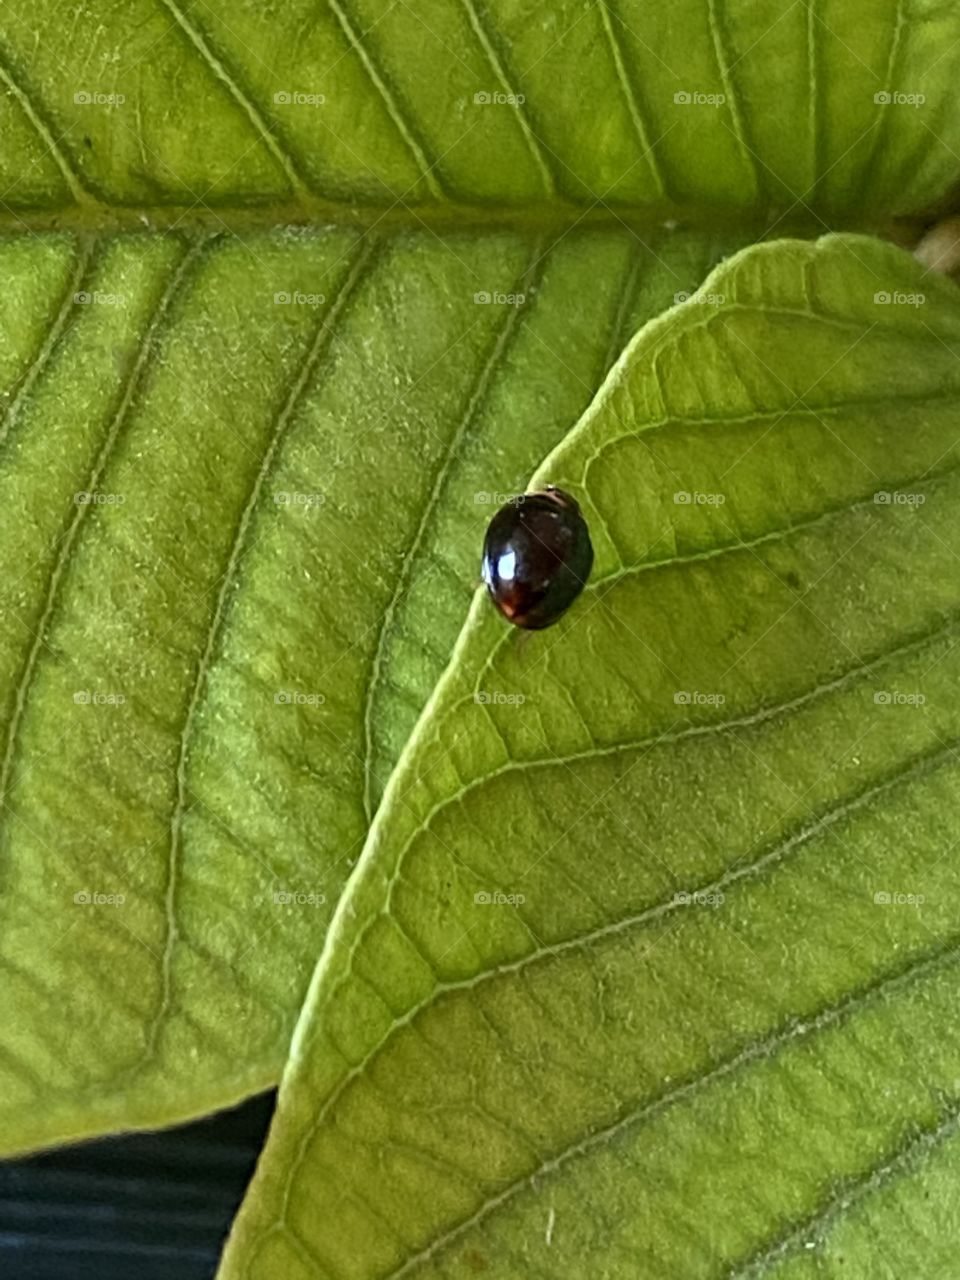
{"x":453,"y":111}
{"x":259,"y":470}
{"x":729,"y":952}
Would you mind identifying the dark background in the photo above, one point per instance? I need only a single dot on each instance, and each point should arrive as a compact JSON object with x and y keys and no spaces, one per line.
{"x":149,"y":1206}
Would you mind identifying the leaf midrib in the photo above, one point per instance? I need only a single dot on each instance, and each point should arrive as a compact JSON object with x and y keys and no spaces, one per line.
{"x":89,"y":210}
{"x":559,"y":217}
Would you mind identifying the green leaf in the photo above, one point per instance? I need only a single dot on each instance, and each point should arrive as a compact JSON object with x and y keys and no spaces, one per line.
{"x":285,"y":506}
{"x":186,"y":400}
{"x":710,"y":1025}
{"x":475,"y":109}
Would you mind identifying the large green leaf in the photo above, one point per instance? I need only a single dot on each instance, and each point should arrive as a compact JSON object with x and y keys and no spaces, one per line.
{"x":711,"y":1026}
{"x":201,"y":595}
{"x":183,"y":389}
{"x":371,"y":109}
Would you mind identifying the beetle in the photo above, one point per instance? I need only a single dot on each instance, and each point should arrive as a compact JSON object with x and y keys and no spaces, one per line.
{"x":537,"y":557}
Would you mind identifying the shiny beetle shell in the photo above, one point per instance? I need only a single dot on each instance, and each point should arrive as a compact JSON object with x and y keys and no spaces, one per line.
{"x":537,"y":556}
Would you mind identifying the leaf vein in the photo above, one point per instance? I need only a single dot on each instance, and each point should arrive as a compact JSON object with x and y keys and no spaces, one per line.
{"x":919,"y":766}
{"x":934,"y":479}
{"x":773,"y":416}
{"x":65,"y":312}
{"x":35,"y":114}
{"x":475,"y":399}
{"x":243,"y":99}
{"x":400,"y":118}
{"x":900,"y":1163}
{"x":631,"y":97}
{"x":730,"y":89}
{"x":536,"y":147}
{"x":879,"y":987}
{"x":325,"y":328}
{"x":59,"y":571}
